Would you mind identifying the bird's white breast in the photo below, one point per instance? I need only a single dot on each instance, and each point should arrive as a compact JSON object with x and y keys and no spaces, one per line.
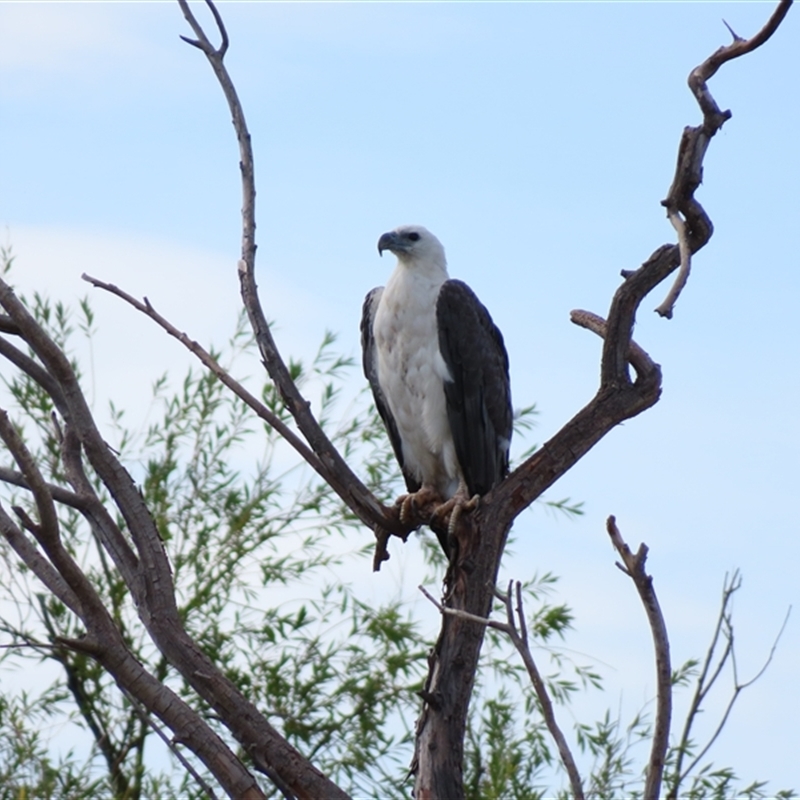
{"x":411,"y":372}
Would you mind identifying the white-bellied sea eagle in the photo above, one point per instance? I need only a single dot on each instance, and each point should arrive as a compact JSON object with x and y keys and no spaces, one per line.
{"x":438,"y":369}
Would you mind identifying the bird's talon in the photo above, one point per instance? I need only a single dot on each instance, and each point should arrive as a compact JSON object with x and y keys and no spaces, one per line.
{"x":459,"y":505}
{"x":453,"y":522}
{"x":406,"y":504}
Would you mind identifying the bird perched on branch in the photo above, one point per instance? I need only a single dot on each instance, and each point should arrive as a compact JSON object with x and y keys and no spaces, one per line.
{"x":438,"y":369}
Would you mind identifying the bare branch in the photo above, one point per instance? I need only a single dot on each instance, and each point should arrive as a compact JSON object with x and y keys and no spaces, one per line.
{"x":638,"y":358}
{"x":737,"y":48}
{"x":38,"y":564}
{"x":634,"y":567}
{"x":102,"y":524}
{"x":381,"y":516}
{"x":7,"y":325}
{"x":703,"y":686}
{"x":668,"y":305}
{"x":47,"y":530}
{"x":695,"y":228}
{"x":103,"y":640}
{"x":81,"y":598}
{"x":155,"y":566}
{"x":159,"y":613}
{"x":732,"y":32}
{"x":523,"y":625}
{"x":84,"y":500}
{"x":465,"y":615}
{"x":344,"y":481}
{"x":171,"y":743}
{"x":381,"y":548}
{"x":213,"y":365}
{"x":618,"y":398}
{"x":59,"y":493}
{"x":35,"y":371}
{"x":772,"y":650}
{"x":546,"y":704}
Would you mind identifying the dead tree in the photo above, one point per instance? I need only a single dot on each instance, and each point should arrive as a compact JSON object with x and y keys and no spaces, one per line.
{"x":630,"y":383}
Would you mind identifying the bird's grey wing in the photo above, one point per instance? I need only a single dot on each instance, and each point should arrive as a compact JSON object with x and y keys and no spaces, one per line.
{"x":369,"y":360}
{"x":479,"y":395}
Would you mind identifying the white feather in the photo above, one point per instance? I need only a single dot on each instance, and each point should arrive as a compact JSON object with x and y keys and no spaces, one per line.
{"x":411,"y":370}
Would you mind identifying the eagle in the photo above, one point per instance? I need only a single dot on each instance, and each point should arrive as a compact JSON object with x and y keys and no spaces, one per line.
{"x":438,"y":369}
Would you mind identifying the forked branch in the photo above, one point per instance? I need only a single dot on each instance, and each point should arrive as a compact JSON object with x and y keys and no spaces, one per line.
{"x":516,"y":629}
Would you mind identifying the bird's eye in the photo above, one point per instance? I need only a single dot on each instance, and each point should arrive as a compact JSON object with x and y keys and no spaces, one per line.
{"x":414,"y":237}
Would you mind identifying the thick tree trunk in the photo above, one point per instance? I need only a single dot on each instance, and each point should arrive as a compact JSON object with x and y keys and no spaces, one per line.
{"x":470,"y":583}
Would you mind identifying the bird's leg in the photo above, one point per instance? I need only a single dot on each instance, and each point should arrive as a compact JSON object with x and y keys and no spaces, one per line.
{"x":410,"y":504}
{"x":460,"y":506}
{"x":455,"y":506}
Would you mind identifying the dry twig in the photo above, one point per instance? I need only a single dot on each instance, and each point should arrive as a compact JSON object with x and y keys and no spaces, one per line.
{"x":633,"y":566}
{"x":708,"y":677}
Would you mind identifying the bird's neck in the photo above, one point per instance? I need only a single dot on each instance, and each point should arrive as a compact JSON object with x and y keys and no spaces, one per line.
{"x":414,"y":276}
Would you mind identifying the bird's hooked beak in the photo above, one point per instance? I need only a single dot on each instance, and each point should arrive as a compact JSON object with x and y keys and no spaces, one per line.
{"x":391,"y":241}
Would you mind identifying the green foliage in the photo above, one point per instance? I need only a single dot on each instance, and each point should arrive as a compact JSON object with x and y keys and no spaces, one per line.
{"x":721,"y":784}
{"x":247,"y":537}
{"x":500,"y":766}
{"x":27,"y":766}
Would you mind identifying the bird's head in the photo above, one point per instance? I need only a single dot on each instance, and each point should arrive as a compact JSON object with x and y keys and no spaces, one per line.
{"x":413,"y":243}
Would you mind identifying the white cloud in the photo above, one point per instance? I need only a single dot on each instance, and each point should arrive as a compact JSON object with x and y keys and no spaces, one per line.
{"x":44,"y":36}
{"x":91,"y":45}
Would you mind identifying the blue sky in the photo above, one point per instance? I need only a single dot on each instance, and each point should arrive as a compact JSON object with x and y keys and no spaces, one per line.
{"x":536,"y":140}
